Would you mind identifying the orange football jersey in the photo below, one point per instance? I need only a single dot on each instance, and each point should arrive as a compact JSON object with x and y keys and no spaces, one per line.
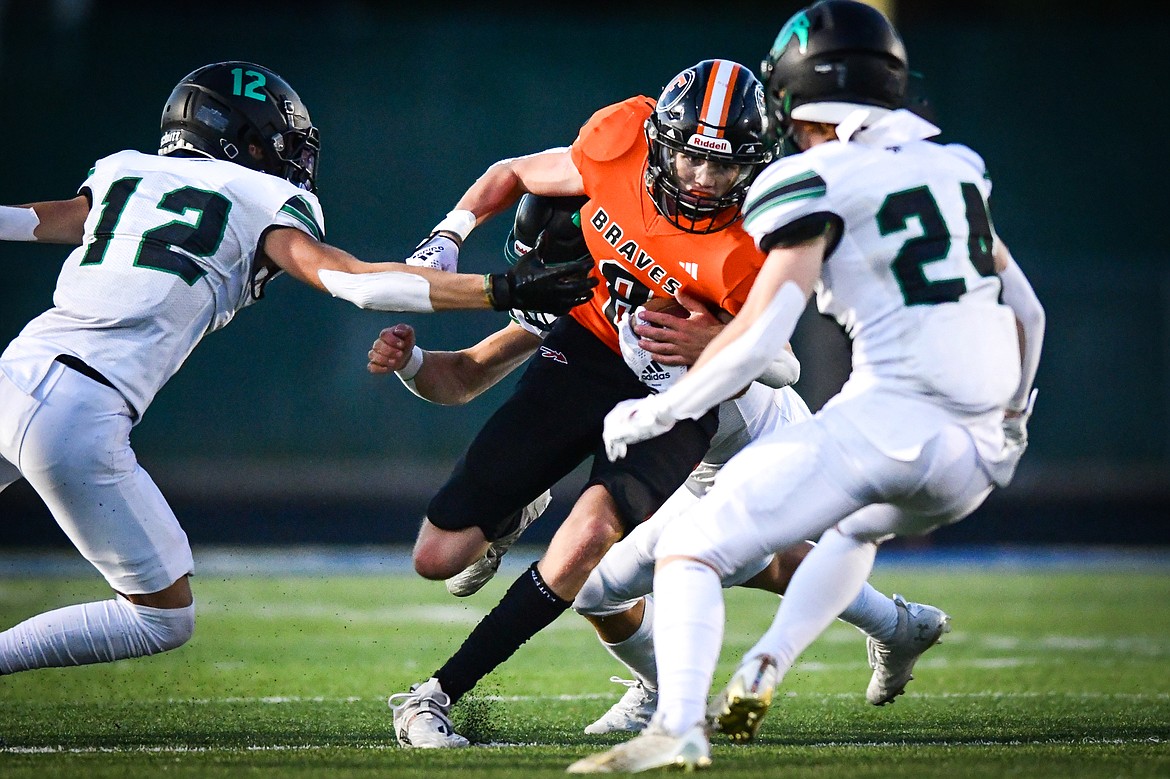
{"x":636,"y":251}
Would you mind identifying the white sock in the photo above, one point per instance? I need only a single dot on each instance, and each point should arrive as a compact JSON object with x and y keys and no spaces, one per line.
{"x":873,"y":613}
{"x":637,"y":651}
{"x":97,"y":632}
{"x":825,"y":582}
{"x":688,"y":634}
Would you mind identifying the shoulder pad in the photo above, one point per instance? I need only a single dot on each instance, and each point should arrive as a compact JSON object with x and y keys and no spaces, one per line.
{"x":968,"y":155}
{"x":614,"y":130}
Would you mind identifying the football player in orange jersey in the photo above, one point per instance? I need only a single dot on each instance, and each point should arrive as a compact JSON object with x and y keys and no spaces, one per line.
{"x":663,"y":181}
{"x":612,"y":598}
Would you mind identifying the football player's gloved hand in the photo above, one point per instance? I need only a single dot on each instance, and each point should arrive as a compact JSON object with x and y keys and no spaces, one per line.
{"x":554,"y":223}
{"x":532,"y":285}
{"x":632,"y":421}
{"x":1015,"y":434}
{"x":437,"y":251}
{"x":649,"y":371}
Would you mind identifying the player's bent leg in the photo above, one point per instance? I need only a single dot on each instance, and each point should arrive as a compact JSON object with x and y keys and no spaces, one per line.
{"x":533,"y":601}
{"x":624,"y":575}
{"x":776,"y":572}
{"x":894,"y":651}
{"x":896,"y":632}
{"x":628,"y":637}
{"x":590,"y":530}
{"x":99,"y":632}
{"x":472,"y":578}
{"x":440,"y":554}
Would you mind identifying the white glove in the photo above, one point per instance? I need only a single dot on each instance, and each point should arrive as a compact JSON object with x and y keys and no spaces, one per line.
{"x":648,"y":370}
{"x":632,"y":421}
{"x":437,"y":251}
{"x":1015,"y":434}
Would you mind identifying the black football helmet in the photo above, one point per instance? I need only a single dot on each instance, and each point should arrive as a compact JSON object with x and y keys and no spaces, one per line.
{"x":830,"y":59}
{"x":711,"y":111}
{"x":223,"y":109}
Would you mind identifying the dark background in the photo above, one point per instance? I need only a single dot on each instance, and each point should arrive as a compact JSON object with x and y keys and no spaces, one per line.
{"x":274,"y":432}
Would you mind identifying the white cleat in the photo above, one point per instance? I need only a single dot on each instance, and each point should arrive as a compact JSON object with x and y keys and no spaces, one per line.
{"x":654,"y":747}
{"x":472,"y":578}
{"x":422,"y":717}
{"x":630,"y":714}
{"x":739,"y":708}
{"x":919,"y":628}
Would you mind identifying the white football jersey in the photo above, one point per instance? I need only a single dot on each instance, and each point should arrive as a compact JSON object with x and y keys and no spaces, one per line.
{"x":168,"y":256}
{"x":911,"y":279}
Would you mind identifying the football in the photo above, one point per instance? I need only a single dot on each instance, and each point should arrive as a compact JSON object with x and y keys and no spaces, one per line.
{"x":666,"y":305}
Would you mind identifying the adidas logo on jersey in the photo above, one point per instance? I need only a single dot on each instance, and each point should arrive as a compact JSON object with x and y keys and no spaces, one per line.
{"x":659,"y":377}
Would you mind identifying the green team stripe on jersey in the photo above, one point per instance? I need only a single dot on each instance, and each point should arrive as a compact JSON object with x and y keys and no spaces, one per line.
{"x":798,"y":187}
{"x":299,"y":208}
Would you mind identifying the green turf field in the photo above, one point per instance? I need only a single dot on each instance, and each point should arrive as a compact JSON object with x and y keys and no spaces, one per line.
{"x":1052,"y":673}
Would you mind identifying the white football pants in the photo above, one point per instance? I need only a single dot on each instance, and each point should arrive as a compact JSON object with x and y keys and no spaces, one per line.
{"x":802,"y":480}
{"x":71,"y":440}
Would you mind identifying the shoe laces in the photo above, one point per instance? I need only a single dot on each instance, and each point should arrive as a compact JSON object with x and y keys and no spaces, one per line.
{"x":437,"y":702}
{"x":626,"y":682}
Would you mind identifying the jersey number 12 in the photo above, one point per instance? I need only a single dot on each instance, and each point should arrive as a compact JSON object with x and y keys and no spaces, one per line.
{"x":156,"y":246}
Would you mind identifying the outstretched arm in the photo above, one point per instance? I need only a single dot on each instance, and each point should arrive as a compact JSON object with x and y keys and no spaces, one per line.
{"x":550,"y":172}
{"x":422,"y":285}
{"x":395,"y":286}
{"x":50,"y":221}
{"x":451,"y":378}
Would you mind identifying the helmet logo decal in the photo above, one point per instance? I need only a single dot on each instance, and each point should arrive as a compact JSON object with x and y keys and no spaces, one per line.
{"x":796,"y":27}
{"x":169,"y":139}
{"x":250,"y":89}
{"x":677,"y":90}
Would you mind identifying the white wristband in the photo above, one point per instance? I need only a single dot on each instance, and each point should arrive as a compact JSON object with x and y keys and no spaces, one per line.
{"x":18,"y":223}
{"x":460,"y":222}
{"x":407,"y":373}
{"x":413,"y":365}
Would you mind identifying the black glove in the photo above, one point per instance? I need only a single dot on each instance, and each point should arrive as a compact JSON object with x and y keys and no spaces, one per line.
{"x":555,"y":219}
{"x":532,"y":285}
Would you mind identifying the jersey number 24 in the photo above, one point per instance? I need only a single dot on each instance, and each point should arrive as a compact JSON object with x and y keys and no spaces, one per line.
{"x":935,"y":242}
